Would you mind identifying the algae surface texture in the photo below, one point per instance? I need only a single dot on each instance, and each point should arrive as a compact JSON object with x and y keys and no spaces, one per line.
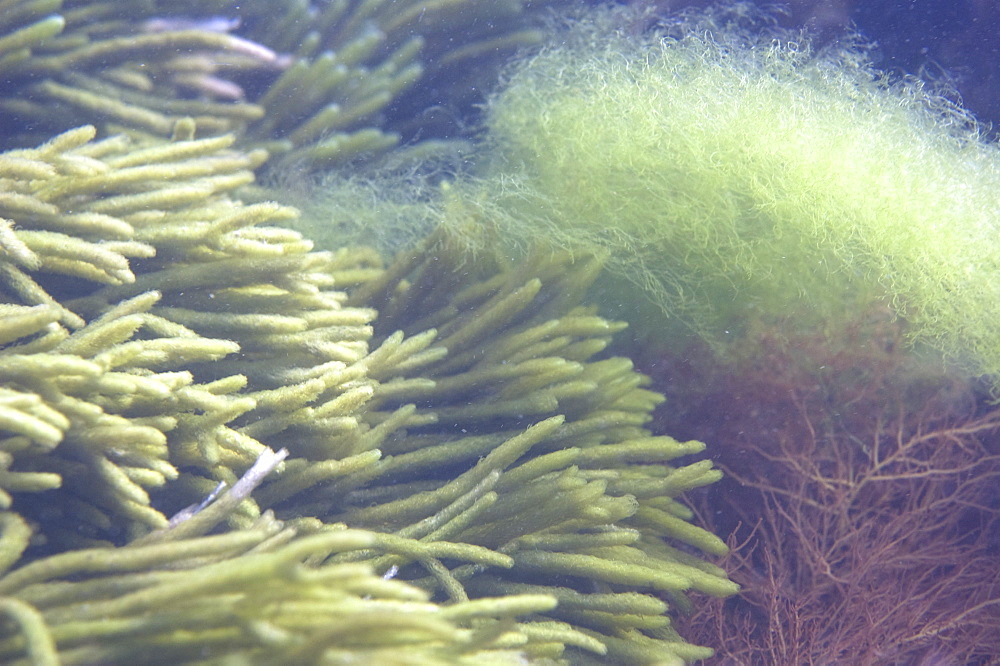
{"x":739,"y":176}
{"x":219,"y":444}
{"x":316,"y":84}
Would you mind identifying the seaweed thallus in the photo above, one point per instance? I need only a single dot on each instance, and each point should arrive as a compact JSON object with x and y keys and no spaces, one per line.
{"x":742,"y":178}
{"x":218,"y":443}
{"x":314,"y":83}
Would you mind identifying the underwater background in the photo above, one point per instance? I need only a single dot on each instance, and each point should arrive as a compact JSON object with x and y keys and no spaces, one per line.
{"x":499,"y":332}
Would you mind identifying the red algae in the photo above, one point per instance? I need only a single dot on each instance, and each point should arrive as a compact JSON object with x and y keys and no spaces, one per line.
{"x":860,"y":496}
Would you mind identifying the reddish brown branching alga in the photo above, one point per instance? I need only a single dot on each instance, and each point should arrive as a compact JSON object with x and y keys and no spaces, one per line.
{"x":863,"y":499}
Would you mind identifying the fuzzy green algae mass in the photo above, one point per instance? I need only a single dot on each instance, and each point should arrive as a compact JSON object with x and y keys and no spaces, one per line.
{"x":739,"y":177}
{"x":462,"y":474}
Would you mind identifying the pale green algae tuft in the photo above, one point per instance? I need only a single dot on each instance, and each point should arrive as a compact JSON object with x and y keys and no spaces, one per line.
{"x":740,"y":176}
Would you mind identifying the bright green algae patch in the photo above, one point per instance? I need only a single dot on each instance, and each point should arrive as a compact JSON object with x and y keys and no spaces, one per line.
{"x":739,"y":177}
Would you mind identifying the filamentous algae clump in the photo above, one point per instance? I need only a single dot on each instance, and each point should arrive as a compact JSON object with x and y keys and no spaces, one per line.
{"x":739,"y":176}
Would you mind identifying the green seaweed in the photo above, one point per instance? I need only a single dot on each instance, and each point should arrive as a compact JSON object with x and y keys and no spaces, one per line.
{"x":740,"y":178}
{"x":319,"y":85}
{"x":220,"y":443}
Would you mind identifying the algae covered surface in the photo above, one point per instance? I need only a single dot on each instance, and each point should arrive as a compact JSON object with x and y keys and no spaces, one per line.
{"x":740,"y":176}
{"x":459,"y":452}
{"x":316,"y":84}
{"x":220,"y":444}
{"x":391,"y":428}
